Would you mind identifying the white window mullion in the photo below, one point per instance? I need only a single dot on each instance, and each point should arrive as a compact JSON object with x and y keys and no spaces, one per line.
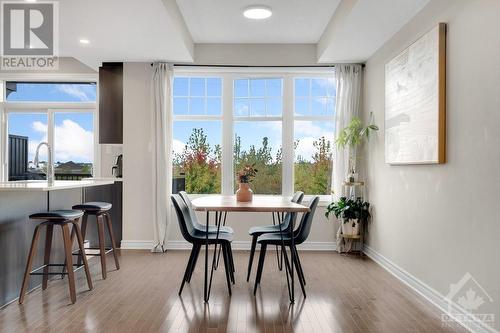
{"x":50,"y":133}
{"x":227,"y":135}
{"x":287,"y":136}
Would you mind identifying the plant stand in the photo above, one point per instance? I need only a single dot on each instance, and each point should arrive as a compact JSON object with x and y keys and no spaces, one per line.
{"x":352,"y":243}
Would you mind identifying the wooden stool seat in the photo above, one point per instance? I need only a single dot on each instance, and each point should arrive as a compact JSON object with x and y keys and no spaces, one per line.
{"x":100,"y":210}
{"x":62,"y":218}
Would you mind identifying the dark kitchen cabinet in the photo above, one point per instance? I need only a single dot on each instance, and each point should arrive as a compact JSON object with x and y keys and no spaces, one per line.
{"x":111,"y":103}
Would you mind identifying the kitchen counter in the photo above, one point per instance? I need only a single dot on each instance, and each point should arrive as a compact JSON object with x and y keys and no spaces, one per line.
{"x":113,"y":179}
{"x":43,"y":186}
{"x":20,"y":199}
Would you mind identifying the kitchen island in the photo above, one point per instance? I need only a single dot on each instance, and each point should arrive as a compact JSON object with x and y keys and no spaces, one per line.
{"x":20,"y":199}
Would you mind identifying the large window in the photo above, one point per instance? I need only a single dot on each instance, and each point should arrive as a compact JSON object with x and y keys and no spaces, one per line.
{"x":314,"y":100}
{"x":197,"y":134}
{"x":257,"y":113}
{"x":60,"y":114}
{"x":282,"y":123}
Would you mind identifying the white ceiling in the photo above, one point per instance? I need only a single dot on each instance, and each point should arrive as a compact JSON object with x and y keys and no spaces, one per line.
{"x":222,"y":21}
{"x":149,"y":30}
{"x":359,"y":28}
{"x":120,"y":30}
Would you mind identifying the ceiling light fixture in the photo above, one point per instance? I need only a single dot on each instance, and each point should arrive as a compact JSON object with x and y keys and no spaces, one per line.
{"x":84,"y":41}
{"x":257,"y":12}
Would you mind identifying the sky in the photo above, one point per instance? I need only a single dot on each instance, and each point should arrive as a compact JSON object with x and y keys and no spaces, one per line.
{"x":262,"y":97}
{"x":73,"y":132}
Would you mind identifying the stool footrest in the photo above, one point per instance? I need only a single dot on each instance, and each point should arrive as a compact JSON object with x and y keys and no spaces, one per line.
{"x":34,"y":272}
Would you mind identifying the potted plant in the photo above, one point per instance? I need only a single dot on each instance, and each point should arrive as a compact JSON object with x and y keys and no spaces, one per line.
{"x":351,"y":212}
{"x":245,"y":177}
{"x":352,"y":136}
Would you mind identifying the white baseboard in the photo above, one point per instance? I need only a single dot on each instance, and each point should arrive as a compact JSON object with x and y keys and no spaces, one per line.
{"x":434,"y":297}
{"x":137,"y":244}
{"x":237,"y":245}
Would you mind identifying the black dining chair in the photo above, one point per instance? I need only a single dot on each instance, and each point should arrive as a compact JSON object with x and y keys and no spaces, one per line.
{"x":197,"y":239}
{"x":196,"y":224}
{"x":299,"y":236}
{"x":257,"y":231}
{"x":211,"y":229}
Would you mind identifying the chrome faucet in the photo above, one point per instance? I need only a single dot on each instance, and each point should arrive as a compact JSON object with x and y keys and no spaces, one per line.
{"x":50,"y":163}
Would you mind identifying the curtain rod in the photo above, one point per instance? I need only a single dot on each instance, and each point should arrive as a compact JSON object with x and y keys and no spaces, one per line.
{"x":252,"y":66}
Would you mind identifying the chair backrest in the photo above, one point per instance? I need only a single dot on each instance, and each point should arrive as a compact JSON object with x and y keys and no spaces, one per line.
{"x":306,"y":222}
{"x":183,"y":217}
{"x":297,"y":198}
{"x":192,"y":213}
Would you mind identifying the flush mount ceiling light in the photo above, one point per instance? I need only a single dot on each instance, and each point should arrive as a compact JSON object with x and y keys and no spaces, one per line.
{"x":257,"y":12}
{"x":84,"y":41}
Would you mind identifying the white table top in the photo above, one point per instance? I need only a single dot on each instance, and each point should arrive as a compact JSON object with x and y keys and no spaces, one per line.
{"x":260,"y":203}
{"x":42,"y":185}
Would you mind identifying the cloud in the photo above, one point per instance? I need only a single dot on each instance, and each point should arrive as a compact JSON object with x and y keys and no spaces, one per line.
{"x":72,"y":142}
{"x":40,"y":127}
{"x":75,"y":91}
{"x":307,"y":132}
{"x":305,"y":148}
{"x":178,"y":146}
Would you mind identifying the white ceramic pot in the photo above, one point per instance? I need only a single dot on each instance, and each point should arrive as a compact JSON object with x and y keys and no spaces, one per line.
{"x":350,"y":227}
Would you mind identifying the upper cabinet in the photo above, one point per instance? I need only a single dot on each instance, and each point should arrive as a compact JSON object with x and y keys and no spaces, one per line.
{"x":111,"y":103}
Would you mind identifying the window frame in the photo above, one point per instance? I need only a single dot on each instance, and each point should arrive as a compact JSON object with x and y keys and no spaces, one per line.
{"x":228,"y":76}
{"x":48,"y":108}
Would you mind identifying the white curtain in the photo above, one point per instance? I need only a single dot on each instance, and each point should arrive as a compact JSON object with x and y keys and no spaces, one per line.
{"x":348,"y":79}
{"x":162,"y":152}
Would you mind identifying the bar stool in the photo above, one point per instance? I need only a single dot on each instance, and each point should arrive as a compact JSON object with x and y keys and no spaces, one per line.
{"x":62,"y":218}
{"x":99,"y":210}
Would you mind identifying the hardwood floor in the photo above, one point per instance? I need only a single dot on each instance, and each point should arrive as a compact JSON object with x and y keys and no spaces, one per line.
{"x":345,"y":294}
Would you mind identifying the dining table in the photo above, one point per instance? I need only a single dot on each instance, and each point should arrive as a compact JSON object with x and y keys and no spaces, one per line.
{"x":221,"y":205}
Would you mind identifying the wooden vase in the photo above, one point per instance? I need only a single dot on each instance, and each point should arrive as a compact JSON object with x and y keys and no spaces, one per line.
{"x":244,"y":193}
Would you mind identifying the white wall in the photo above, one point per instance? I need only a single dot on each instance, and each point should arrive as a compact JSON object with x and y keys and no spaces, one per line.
{"x":255,"y":54}
{"x":137,"y":158}
{"x":137,"y":193}
{"x":438,"y":222}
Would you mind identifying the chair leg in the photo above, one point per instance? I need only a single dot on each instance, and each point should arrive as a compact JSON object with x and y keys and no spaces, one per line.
{"x":188,"y":267}
{"x":79,"y":238}
{"x":31,"y":256}
{"x":296,"y":263}
{"x":102,"y":249}
{"x":260,"y":267}
{"x":83,"y":232}
{"x":195,"y":260}
{"x":231,"y":257}
{"x":227,"y":266}
{"x":231,"y":262}
{"x":46,"y":258}
{"x":299,"y":266}
{"x":112,"y":238}
{"x":250,"y":259}
{"x":69,"y":261}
